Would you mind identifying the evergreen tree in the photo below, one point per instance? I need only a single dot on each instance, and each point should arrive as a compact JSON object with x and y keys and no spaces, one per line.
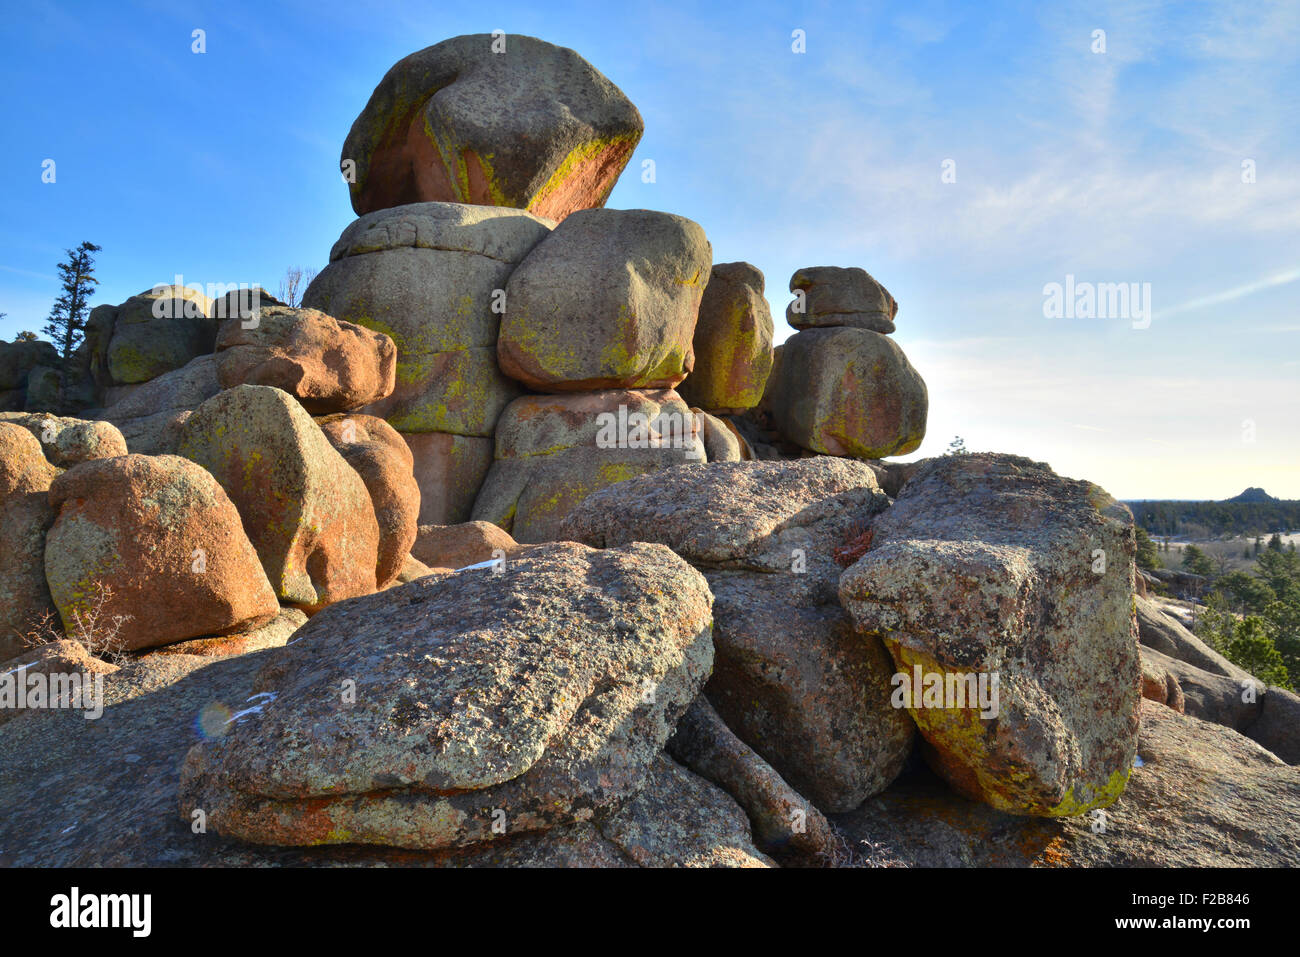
{"x":1147,"y":556}
{"x":1197,"y":562}
{"x":67,"y":322}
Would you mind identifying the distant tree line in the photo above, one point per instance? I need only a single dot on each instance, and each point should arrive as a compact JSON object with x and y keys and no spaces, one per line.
{"x":1214,"y":519}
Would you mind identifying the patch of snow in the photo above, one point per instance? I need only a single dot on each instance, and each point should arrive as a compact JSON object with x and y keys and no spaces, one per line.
{"x":490,"y":563}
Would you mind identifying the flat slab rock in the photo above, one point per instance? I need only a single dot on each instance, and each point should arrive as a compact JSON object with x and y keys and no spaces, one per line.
{"x":437,"y":713}
{"x":749,"y":515}
{"x":103,"y":793}
{"x":1201,"y":795}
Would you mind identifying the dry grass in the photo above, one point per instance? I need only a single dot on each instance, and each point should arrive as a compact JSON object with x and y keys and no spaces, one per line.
{"x":92,"y":627}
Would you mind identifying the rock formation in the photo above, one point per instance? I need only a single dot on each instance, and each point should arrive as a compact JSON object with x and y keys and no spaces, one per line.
{"x":519,"y":543}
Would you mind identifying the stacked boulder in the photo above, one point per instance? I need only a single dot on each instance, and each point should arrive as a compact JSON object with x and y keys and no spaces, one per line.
{"x":733,"y":356}
{"x":492,"y":120}
{"x":150,"y":334}
{"x":457,"y":256}
{"x":601,"y":316}
{"x":840,"y":385}
{"x":432,"y":276}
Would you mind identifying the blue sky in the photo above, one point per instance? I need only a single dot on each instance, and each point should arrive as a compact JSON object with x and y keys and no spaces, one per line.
{"x":1115,"y":166}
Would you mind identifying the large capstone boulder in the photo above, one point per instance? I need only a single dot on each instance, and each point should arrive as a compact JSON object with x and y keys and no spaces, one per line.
{"x":791,"y":677}
{"x":835,"y":296}
{"x":383,"y":460}
{"x":25,"y":518}
{"x":845,"y":391}
{"x":608,"y":300}
{"x":552,"y":451}
{"x":157,"y":331}
{"x":147,"y":550}
{"x":306,"y":510}
{"x":993,"y":567}
{"x":491,"y":120}
{"x":733,"y":342}
{"x":478,"y":704}
{"x":327,"y":365}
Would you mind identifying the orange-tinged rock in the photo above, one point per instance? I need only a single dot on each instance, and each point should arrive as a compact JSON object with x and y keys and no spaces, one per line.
{"x":497,"y":121}
{"x":306,"y":510}
{"x":384,"y":461}
{"x":156,"y":541}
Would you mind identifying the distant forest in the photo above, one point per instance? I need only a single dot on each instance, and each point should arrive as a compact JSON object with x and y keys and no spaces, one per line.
{"x":1214,"y":519}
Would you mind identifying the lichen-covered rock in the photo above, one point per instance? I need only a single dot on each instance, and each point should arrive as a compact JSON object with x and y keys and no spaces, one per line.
{"x":425,"y":274}
{"x":722,"y":443}
{"x":992,"y":565}
{"x":25,"y":518}
{"x":799,"y":686}
{"x":450,"y":470}
{"x":527,"y":700}
{"x":553,"y":451}
{"x":733,"y":342}
{"x":327,"y":365}
{"x":384,"y":461}
{"x":306,"y":510}
{"x":457,"y":546}
{"x":151,"y":416}
{"x":103,"y":793}
{"x":154,"y":540}
{"x":17,"y":359}
{"x":459,"y":392}
{"x":157,"y":331}
{"x":432,"y":277}
{"x":498,"y":121}
{"x":835,"y":296}
{"x":848,"y":392}
{"x":1201,"y":796}
{"x":750,"y":516}
{"x":791,"y":678}
{"x":785,"y":824}
{"x":67,"y":441}
{"x":608,"y":300}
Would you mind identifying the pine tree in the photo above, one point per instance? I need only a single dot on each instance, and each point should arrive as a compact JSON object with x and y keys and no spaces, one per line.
{"x":67,"y":323}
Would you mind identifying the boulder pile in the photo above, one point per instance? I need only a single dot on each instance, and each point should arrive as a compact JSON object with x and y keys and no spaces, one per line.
{"x":519,"y":543}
